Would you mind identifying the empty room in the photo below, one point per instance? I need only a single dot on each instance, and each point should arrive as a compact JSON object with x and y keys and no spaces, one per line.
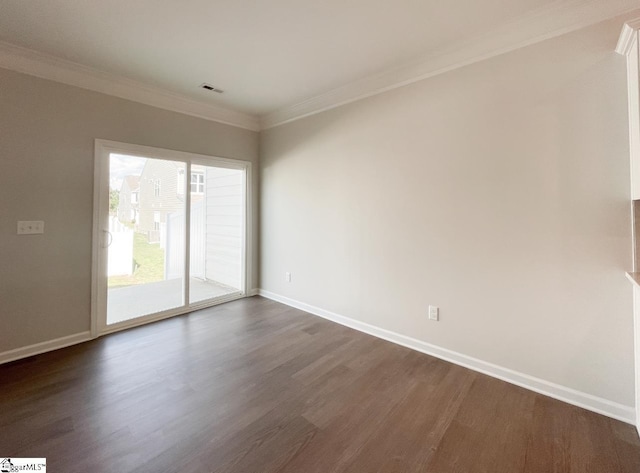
{"x":320,"y":237}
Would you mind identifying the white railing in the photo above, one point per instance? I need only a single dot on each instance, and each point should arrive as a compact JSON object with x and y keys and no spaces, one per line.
{"x":120,"y":259}
{"x":173,"y":240}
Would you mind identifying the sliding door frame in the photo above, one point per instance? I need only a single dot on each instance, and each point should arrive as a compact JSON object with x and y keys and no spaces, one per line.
{"x":103,"y":148}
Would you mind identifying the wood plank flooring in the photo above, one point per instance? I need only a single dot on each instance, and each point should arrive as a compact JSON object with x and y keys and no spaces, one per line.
{"x":254,"y":386}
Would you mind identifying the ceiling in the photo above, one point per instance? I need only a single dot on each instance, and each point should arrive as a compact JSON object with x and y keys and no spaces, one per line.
{"x":271,"y":56}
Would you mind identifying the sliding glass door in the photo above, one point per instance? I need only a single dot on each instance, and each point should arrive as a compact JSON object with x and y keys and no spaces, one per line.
{"x":161,"y":215}
{"x":143,"y":202}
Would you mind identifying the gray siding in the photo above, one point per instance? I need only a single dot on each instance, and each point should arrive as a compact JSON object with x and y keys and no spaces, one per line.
{"x":224,"y":222}
{"x":167,"y":202}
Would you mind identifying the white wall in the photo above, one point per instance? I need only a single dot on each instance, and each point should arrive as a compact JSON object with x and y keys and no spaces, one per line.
{"x":636,"y":308}
{"x":47,"y":133}
{"x":499,"y":192}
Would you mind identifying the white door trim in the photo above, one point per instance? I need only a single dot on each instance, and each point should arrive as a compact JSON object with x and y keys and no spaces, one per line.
{"x":100,"y":201}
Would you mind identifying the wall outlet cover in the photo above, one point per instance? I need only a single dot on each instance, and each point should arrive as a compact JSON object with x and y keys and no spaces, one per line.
{"x":30,"y":227}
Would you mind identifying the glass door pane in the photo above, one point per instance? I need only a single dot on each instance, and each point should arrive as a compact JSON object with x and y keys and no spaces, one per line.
{"x":217,"y":232}
{"x":146,"y":240}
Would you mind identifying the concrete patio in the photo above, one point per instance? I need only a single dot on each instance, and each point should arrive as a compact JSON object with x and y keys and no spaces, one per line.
{"x":130,"y":302}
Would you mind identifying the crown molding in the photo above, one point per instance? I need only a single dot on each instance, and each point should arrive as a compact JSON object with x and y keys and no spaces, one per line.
{"x":559,"y":18}
{"x":45,"y":66}
{"x":628,"y":36}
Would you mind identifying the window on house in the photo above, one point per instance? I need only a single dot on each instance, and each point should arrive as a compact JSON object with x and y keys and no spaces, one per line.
{"x":156,"y":187}
{"x":134,"y":197}
{"x":197,"y":183}
{"x":156,"y":220}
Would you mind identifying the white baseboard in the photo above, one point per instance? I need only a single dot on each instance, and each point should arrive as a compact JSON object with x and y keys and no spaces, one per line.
{"x":577,"y":398}
{"x":43,"y":347}
{"x":50,"y":345}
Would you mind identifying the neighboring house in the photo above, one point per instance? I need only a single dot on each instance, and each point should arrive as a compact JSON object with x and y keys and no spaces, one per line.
{"x":162,"y":191}
{"x":128,"y":200}
{"x":216,"y":228}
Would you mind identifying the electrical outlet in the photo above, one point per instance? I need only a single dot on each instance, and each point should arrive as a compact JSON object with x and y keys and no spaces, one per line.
{"x":287,"y":277}
{"x":31,"y":227}
{"x":434,"y":313}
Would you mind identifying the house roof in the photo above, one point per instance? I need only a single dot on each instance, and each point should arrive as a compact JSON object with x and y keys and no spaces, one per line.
{"x":132,"y":181}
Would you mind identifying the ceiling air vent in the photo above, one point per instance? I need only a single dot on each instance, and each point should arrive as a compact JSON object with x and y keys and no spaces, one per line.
{"x":210,"y":88}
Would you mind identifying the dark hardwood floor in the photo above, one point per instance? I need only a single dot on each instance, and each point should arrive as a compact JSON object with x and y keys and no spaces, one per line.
{"x":254,"y":386}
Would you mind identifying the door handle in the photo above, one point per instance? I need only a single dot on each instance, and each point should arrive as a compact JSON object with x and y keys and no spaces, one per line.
{"x":110,"y":238}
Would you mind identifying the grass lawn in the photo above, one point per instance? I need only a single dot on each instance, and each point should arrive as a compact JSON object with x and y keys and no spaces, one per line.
{"x":149,"y":259}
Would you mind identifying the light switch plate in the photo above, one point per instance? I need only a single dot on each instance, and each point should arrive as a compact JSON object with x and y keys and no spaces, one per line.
{"x":30,"y":227}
